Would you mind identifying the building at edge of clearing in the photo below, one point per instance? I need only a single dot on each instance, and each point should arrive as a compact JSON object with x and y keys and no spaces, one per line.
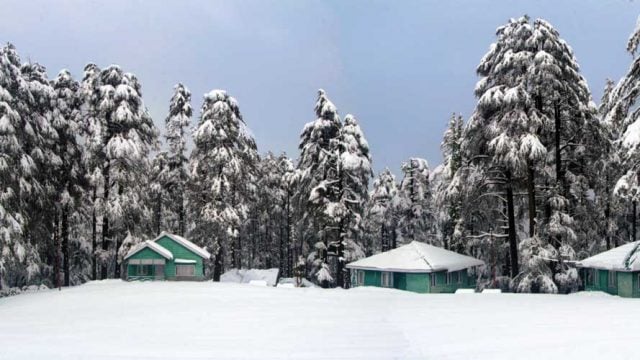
{"x":616,"y":271}
{"x":416,"y":267}
{"x":167,"y":257}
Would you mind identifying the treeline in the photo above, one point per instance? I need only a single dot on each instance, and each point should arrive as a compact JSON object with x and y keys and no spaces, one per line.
{"x":536,"y":178}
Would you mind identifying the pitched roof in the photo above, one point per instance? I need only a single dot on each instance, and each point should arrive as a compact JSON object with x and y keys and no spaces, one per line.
{"x":416,"y":257}
{"x":151,"y":245}
{"x":186,"y":243}
{"x":622,"y":258}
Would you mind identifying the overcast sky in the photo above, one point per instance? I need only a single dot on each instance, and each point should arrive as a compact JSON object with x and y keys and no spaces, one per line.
{"x":401,"y":67}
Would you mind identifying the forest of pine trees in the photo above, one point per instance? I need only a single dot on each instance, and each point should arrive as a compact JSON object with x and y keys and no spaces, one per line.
{"x":537,"y":177}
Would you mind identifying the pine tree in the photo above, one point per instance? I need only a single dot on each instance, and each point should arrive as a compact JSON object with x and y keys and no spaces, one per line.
{"x":416,"y":219}
{"x":448,"y":195}
{"x":13,"y":248}
{"x":121,"y":135}
{"x":354,"y":171}
{"x":623,"y":119}
{"x":221,"y":166}
{"x":318,"y":192}
{"x":93,"y":158}
{"x":179,"y":117}
{"x":381,"y":216}
{"x":68,"y":172}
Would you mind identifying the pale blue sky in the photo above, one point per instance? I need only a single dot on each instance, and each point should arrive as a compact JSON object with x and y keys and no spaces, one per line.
{"x":402,"y":67}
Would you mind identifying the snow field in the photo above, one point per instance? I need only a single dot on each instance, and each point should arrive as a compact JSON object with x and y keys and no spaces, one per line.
{"x":205,"y":320}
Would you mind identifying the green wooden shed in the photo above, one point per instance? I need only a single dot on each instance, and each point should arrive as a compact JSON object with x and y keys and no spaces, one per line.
{"x":416,"y":267}
{"x":616,"y":271}
{"x":167,"y":257}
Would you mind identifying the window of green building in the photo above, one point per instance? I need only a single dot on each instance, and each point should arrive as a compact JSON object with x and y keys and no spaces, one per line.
{"x":144,"y":270}
{"x":612,"y":279}
{"x":590,"y":277}
{"x":359,"y":277}
{"x":433,"y":279}
{"x":386,"y":279}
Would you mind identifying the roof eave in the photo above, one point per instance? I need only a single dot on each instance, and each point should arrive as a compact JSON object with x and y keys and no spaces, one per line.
{"x":146,"y":246}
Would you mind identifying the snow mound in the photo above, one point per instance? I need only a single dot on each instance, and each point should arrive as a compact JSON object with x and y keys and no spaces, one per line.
{"x":284,"y":282}
{"x":465,"y":291}
{"x":258,"y":283}
{"x":246,"y":276}
{"x":491,"y":291}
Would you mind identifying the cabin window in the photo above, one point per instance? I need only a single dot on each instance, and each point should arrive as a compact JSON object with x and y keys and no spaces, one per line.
{"x":185,"y":270}
{"x":433,"y":279}
{"x":590,"y":276}
{"x":455,"y":277}
{"x":143,"y":270}
{"x":387,"y":279}
{"x":612,"y":279}
{"x":459,"y":277}
{"x":359,"y":277}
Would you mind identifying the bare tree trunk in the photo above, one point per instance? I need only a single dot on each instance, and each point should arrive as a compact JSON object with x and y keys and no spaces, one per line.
{"x":607,"y":213}
{"x":558,"y":155}
{"x":513,"y":245}
{"x":105,"y":219}
{"x":65,"y":245}
{"x":181,"y":217}
{"x":56,"y":246}
{"x":531,"y":190}
{"x":116,"y":268}
{"x":633,"y":221}
{"x":94,"y":238}
{"x":217,"y":264}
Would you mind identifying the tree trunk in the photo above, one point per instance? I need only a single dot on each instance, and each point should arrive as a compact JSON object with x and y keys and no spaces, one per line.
{"x":105,"y":219}
{"x":56,"y":246}
{"x":531,"y":190}
{"x":633,"y":221}
{"x":607,"y":213}
{"x":116,"y":268}
{"x":289,"y":242}
{"x":217,"y":264}
{"x":558,"y":155}
{"x":513,"y":245}
{"x":158,"y":213}
{"x":94,"y":238}
{"x":65,"y":245}
{"x":181,"y":217}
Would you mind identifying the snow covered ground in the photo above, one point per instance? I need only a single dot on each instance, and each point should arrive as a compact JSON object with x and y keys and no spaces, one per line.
{"x":183,"y":320}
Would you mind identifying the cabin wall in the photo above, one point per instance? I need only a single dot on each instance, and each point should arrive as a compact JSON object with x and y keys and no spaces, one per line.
{"x":416,"y":282}
{"x":442,"y":286}
{"x":146,"y":253}
{"x":400,"y":281}
{"x":626,"y":282}
{"x":372,"y":278}
{"x":179,"y":252}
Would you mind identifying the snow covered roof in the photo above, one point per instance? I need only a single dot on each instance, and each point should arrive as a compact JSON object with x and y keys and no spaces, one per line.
{"x":186,"y":243}
{"x":622,"y":258}
{"x":184,"y":261}
{"x":416,"y":257}
{"x":151,"y":245}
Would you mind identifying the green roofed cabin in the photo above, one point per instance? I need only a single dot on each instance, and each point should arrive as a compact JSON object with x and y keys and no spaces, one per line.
{"x":616,"y":271}
{"x":167,"y":257}
{"x":416,"y":267}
